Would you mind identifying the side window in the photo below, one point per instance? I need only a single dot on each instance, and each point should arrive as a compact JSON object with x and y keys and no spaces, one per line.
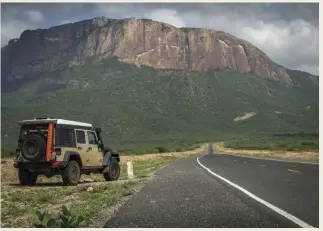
{"x":64,"y":137}
{"x":80,"y":137}
{"x":92,"y":138}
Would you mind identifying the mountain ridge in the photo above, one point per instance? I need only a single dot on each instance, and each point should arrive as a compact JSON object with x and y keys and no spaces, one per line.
{"x":135,"y":41}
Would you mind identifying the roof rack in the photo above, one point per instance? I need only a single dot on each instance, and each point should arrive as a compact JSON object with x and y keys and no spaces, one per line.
{"x":55,"y":121}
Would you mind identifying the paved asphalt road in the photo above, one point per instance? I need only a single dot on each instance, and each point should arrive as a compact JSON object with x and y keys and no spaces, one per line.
{"x":185,"y":195}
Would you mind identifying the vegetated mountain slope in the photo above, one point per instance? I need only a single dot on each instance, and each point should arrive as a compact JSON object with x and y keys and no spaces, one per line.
{"x":148,"y":106}
{"x":136,"y":41}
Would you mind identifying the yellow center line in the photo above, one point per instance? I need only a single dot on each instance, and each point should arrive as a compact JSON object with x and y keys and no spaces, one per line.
{"x":291,"y":170}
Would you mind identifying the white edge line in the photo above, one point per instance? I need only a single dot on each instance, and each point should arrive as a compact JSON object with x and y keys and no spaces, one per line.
{"x":272,"y":207}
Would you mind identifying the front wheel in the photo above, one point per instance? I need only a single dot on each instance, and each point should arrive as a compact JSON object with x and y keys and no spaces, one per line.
{"x":114,"y":171}
{"x":72,"y":173}
{"x":26,"y":177}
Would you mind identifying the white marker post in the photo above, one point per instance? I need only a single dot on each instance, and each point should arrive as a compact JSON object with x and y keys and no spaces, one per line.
{"x":130,"y":169}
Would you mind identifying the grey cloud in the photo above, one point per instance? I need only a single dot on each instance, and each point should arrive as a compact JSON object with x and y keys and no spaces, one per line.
{"x":34,"y":16}
{"x":293,"y":44}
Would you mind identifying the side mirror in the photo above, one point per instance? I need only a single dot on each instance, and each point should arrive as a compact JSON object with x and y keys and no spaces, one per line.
{"x":98,"y":130}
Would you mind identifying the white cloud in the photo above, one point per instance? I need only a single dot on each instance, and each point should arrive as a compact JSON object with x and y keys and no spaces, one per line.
{"x":12,"y":29}
{"x":34,"y":16}
{"x":293,"y":44}
{"x":67,"y":21}
{"x":166,"y":16}
{"x":114,"y":11}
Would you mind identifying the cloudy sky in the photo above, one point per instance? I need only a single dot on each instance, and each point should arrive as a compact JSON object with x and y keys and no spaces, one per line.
{"x":288,"y":33}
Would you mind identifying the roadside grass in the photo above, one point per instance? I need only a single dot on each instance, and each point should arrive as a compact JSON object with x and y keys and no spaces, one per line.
{"x":92,"y":196}
{"x":293,"y":148}
{"x":278,"y":143}
{"x":19,"y":205}
{"x":163,"y":148}
{"x":6,"y":152}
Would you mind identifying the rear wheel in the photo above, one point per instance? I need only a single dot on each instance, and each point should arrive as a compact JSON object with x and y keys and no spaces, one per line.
{"x":34,"y":147}
{"x":114,"y":171}
{"x":26,"y":177}
{"x":72,"y":173}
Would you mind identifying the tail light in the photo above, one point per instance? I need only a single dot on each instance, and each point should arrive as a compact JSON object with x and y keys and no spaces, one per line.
{"x":49,"y":147}
{"x":58,"y":151}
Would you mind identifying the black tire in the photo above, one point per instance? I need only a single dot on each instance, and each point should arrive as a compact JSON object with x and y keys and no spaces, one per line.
{"x":114,"y":171}
{"x":34,"y":147}
{"x":72,"y":173}
{"x":26,"y":177}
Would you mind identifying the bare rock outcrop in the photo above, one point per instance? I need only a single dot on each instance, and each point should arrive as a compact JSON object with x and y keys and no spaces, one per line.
{"x":136,"y":41}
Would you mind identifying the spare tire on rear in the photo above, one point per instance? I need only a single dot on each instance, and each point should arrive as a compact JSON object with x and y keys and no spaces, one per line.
{"x":34,"y":147}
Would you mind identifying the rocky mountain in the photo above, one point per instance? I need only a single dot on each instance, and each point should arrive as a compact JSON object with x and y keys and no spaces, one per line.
{"x":134,"y":41}
{"x":148,"y":83}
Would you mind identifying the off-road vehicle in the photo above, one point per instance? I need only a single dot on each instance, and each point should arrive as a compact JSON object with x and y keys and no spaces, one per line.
{"x":62,"y":147}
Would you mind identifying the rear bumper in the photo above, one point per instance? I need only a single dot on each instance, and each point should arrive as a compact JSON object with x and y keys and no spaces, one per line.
{"x":39,"y":165}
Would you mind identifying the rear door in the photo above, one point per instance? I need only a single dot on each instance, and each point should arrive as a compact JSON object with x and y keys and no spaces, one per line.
{"x":94,"y":153}
{"x":82,"y":146}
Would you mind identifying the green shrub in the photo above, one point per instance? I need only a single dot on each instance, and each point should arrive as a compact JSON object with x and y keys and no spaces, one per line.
{"x":64,"y":220}
{"x":6,"y":152}
{"x":161,"y":149}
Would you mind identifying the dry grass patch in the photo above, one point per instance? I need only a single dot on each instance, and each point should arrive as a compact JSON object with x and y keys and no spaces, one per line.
{"x":275,"y":154}
{"x":123,"y":159}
